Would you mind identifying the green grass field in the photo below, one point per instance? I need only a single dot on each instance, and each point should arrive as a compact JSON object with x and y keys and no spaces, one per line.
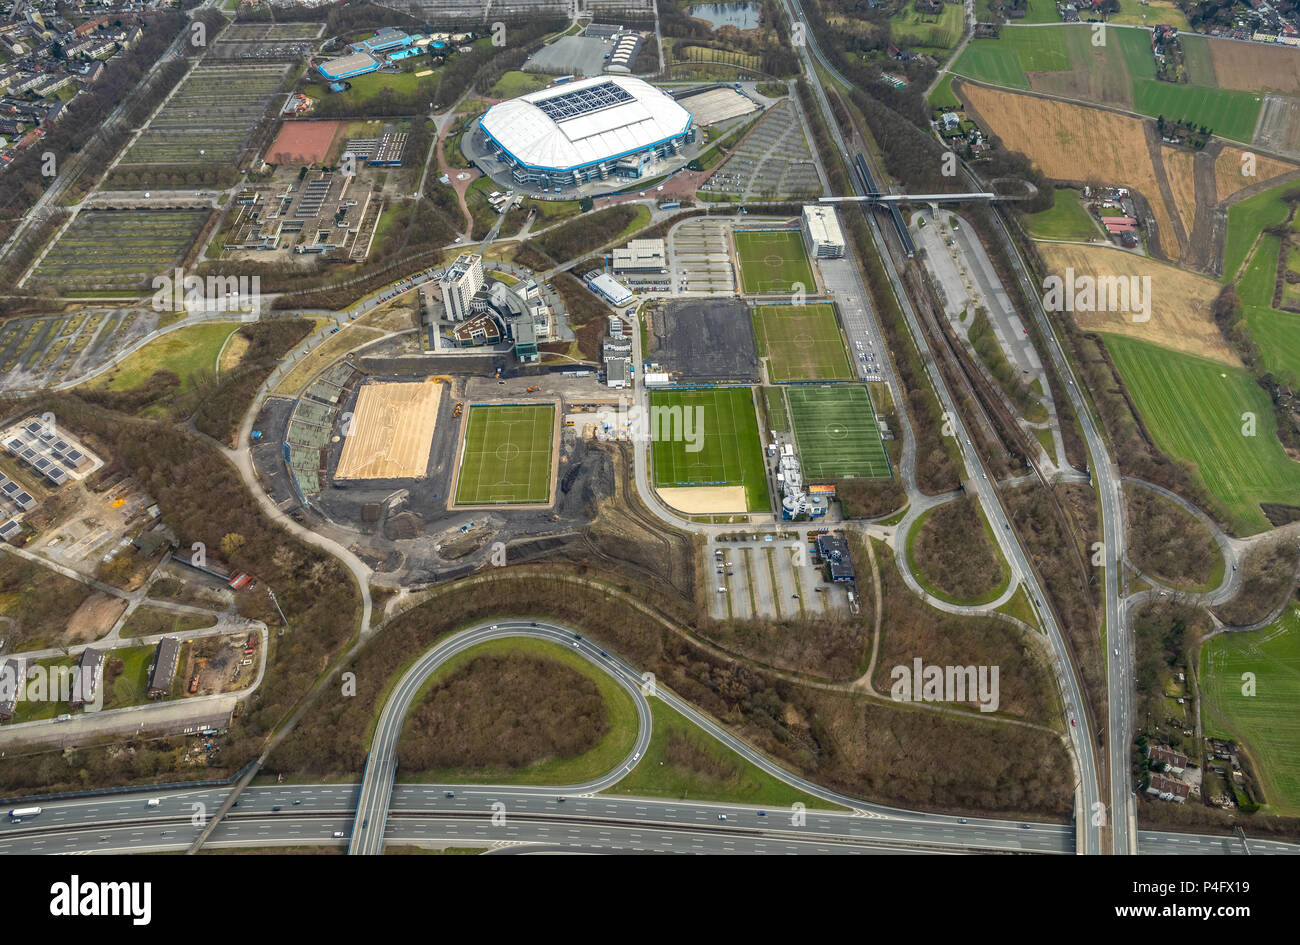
{"x":801,"y":343}
{"x":1246,"y":220}
{"x":1005,"y":60}
{"x":506,"y":458}
{"x":773,"y":262}
{"x":514,"y":84}
{"x":943,"y":95}
{"x":184,"y":351}
{"x":942,"y":31}
{"x":1194,"y":409}
{"x":1227,"y":113}
{"x":1278,"y":336}
{"x":1267,"y":722}
{"x":836,"y":433}
{"x":1066,"y":220}
{"x":730,"y":451}
{"x":685,"y":762}
{"x":1258,"y":278}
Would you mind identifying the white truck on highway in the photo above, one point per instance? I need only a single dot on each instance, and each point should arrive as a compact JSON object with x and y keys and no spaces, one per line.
{"x":18,"y":813}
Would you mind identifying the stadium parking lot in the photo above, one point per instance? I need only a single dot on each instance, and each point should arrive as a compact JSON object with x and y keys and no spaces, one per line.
{"x":698,"y":258}
{"x":774,"y":161}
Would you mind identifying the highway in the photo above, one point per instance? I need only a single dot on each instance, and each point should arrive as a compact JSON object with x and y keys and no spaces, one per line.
{"x":1081,"y":739}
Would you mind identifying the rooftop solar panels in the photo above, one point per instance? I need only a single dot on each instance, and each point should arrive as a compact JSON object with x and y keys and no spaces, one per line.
{"x":56,"y":475}
{"x":32,"y":426}
{"x":41,"y":464}
{"x":24,"y":500}
{"x":28,"y":455}
{"x":10,"y":487}
{"x":8,"y":528}
{"x":581,"y":102}
{"x":75,"y":457}
{"x":14,"y":445}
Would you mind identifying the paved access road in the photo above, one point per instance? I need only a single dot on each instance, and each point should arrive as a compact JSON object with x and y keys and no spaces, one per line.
{"x":381,"y":765}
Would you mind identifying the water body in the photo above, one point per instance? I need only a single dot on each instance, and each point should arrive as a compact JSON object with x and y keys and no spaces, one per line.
{"x":743,"y":16}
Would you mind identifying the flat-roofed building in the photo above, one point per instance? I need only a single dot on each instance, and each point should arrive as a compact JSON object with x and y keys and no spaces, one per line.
{"x":641,"y":256}
{"x":821,"y":230}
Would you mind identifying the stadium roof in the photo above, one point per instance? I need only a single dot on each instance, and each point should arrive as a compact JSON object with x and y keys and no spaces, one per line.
{"x":585,"y":122}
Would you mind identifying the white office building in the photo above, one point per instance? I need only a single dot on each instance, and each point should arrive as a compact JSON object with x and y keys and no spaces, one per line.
{"x":821,"y":230}
{"x":459,"y":284}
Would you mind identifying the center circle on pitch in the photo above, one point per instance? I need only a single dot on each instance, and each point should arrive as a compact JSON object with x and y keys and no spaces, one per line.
{"x":802,"y":341}
{"x":773,"y":261}
{"x":836,"y":432}
{"x":507,"y":452}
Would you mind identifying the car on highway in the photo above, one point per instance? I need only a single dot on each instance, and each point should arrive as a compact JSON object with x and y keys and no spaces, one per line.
{"x":722,"y":817}
{"x":338,"y":834}
{"x":1073,"y":724}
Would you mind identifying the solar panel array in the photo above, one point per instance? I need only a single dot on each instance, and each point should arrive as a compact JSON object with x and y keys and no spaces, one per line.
{"x":579,"y":102}
{"x":45,"y":452}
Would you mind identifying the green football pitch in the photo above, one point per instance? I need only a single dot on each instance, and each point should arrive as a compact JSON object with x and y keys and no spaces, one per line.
{"x":836,"y":433}
{"x":720,"y":448}
{"x":773,"y":262}
{"x":801,"y":343}
{"x":506,"y":455}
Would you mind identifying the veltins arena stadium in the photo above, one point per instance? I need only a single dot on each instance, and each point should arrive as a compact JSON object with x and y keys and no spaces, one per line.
{"x":589,"y":130}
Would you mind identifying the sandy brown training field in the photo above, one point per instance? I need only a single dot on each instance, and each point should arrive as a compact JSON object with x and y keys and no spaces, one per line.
{"x":391,"y":431}
{"x":705,"y":500}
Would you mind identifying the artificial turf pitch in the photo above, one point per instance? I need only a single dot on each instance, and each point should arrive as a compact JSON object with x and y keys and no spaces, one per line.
{"x":836,"y":433}
{"x":506,"y":455}
{"x":730,"y":453}
{"x":801,"y":343}
{"x":773,"y":262}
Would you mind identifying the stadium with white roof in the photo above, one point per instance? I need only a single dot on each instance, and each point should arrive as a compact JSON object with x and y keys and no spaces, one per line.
{"x":594,"y":129}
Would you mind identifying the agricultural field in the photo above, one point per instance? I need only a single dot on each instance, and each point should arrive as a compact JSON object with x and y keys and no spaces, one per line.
{"x":801,"y":343}
{"x":1133,"y":13}
{"x":506,"y":456}
{"x":1180,"y":301}
{"x":1246,"y":220}
{"x":1007,"y":59}
{"x":1254,"y":67}
{"x":835,"y":429}
{"x":1056,"y":134}
{"x":730,"y":452}
{"x":1257,"y":280}
{"x":210,"y":117}
{"x":1277,"y":334}
{"x":1195,"y":411}
{"x":1265,"y":723}
{"x":1227,"y":113}
{"x":119,"y":249}
{"x":1066,"y":220}
{"x":773,"y":262}
{"x":1064,"y":61}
